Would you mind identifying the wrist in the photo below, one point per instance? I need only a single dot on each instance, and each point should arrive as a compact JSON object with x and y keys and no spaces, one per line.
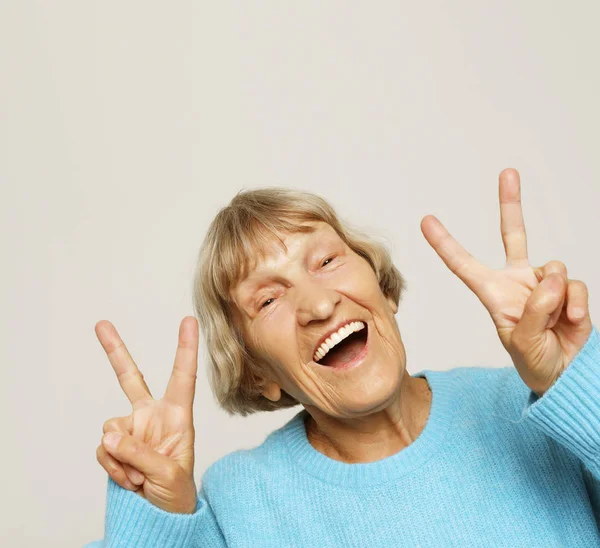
{"x":188,"y":503}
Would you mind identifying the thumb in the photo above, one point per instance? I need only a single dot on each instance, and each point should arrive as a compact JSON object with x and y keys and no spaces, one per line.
{"x":133,"y":451}
{"x":542,"y":303}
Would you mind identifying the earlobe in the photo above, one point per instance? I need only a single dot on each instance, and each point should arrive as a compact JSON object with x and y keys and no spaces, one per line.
{"x":272,"y":392}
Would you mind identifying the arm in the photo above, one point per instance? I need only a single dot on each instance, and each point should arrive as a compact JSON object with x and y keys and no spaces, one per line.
{"x":152,"y":499}
{"x":569,"y":411}
{"x":133,"y":521}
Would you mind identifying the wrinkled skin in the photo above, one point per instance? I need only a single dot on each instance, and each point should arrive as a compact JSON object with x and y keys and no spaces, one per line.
{"x":541,"y":316}
{"x":289,"y":300}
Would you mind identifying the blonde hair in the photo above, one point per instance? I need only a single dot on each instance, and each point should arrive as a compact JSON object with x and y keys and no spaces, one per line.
{"x":232,"y":244}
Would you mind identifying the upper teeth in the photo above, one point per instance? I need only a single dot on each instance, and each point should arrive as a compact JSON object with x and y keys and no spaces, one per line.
{"x":336,"y":337}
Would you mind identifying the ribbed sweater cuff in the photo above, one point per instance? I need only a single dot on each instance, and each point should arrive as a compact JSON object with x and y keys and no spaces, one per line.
{"x":134,"y":521}
{"x":569,"y":411}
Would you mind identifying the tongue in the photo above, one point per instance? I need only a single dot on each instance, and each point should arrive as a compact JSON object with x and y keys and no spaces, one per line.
{"x":344,"y":352}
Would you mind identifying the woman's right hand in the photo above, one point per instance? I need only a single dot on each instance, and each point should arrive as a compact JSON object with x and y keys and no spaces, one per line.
{"x":154,"y":452}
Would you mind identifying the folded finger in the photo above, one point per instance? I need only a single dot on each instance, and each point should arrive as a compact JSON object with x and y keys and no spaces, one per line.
{"x":128,"y":449}
{"x":559,"y":268}
{"x":124,"y":425}
{"x":114,"y":469}
{"x":577,"y":300}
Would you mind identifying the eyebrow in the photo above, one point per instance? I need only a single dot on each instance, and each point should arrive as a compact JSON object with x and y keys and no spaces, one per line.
{"x":253,"y":287}
{"x":250,"y":290}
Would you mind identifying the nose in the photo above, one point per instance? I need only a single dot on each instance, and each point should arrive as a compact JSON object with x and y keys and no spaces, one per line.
{"x":315,"y":302}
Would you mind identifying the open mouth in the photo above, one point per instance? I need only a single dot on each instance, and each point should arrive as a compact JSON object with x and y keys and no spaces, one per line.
{"x":347,"y":350}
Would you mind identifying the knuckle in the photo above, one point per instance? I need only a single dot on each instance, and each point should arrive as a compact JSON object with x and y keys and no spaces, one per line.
{"x":556,"y":266}
{"x":133,"y":446}
{"x":116,"y":424}
{"x":130,"y":375}
{"x":579,"y":285}
{"x":118,"y":475}
{"x":532,"y":306}
{"x":108,"y":464}
{"x":113,"y":470}
{"x":111,"y":467}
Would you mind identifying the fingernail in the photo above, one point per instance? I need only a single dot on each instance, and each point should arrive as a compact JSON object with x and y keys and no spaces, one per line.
{"x":552,"y":281}
{"x":578,"y":313}
{"x":111,"y":440}
{"x":136,"y":477}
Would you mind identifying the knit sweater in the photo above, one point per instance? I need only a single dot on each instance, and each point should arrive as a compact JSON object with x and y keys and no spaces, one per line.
{"x":495,"y":465}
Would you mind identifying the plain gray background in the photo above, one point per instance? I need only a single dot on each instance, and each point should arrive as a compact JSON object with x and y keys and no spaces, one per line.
{"x":125,"y":126}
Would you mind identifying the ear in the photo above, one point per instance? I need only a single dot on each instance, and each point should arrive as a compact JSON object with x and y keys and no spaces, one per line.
{"x":272,"y":391}
{"x":392,"y":304}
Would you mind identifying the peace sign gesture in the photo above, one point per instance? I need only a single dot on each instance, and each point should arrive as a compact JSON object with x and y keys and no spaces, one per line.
{"x":151,"y":451}
{"x":542,"y":317}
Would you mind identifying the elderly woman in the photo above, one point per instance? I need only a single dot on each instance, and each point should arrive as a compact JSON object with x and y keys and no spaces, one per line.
{"x":298,"y":309}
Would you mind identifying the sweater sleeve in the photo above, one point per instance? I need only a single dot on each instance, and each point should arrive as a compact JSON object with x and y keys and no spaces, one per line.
{"x":569,"y":411}
{"x":134,"y":521}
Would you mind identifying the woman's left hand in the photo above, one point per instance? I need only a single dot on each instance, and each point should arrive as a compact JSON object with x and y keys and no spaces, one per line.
{"x":541,"y":316}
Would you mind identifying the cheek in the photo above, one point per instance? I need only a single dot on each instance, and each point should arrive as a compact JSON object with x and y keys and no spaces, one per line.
{"x":358,"y":281}
{"x":275,"y":337}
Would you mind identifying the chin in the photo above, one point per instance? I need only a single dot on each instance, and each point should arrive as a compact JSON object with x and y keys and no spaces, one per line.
{"x":370,"y":397}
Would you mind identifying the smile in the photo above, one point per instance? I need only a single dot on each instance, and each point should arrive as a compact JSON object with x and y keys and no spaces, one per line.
{"x":345,"y":348}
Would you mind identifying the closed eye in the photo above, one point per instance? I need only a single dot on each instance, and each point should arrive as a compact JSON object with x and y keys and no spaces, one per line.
{"x":266,"y":303}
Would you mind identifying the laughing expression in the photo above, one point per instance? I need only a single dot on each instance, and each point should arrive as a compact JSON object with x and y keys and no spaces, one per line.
{"x":317,"y":318}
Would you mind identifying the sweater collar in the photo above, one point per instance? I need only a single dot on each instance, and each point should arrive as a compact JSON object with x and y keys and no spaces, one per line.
{"x":429,"y":441}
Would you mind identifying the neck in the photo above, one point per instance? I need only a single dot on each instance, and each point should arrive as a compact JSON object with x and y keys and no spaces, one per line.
{"x":378,"y":435}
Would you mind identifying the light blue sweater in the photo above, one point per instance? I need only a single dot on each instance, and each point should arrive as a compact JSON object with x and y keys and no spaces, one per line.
{"x":494,"y":466}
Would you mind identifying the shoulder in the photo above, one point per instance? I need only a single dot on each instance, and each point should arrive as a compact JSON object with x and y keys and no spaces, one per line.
{"x":495,"y":390}
{"x":247,"y":468}
{"x":477,"y":378}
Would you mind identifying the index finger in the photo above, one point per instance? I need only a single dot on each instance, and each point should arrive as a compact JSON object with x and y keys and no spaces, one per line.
{"x":454,"y":255}
{"x":130,"y":377}
{"x":182,"y":384}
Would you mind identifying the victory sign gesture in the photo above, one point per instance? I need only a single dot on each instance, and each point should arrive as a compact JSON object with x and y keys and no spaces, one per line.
{"x":541,"y":316}
{"x":151,"y":451}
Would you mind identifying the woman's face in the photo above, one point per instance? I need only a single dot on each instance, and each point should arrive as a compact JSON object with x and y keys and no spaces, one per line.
{"x":289,"y":301}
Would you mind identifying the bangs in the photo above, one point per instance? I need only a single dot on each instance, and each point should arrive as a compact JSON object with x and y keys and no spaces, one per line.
{"x":246,"y":241}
